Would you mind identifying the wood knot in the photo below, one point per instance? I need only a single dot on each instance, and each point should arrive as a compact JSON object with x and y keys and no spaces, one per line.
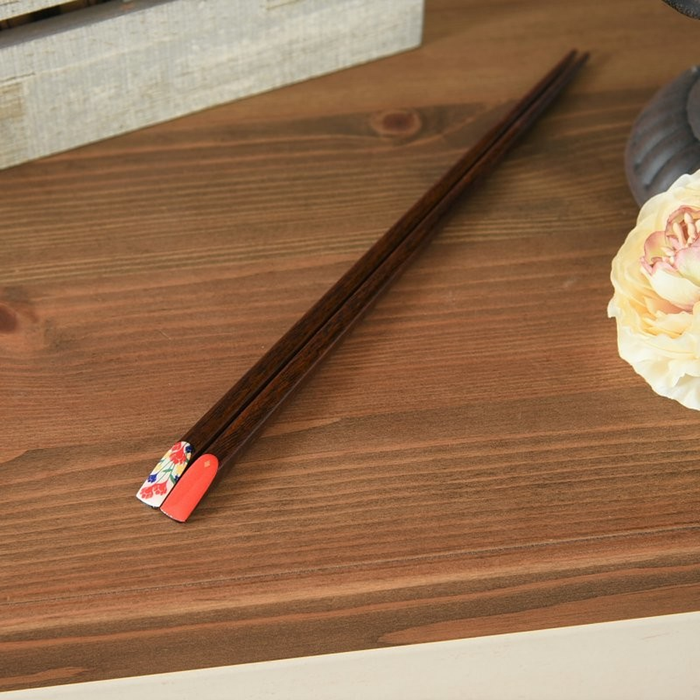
{"x":8,"y":319}
{"x":401,"y":123}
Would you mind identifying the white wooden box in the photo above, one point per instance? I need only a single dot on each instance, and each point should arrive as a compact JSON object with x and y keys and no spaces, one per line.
{"x":118,"y":66}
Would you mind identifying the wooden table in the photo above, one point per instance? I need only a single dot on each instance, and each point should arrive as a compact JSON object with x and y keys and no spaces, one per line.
{"x":473,"y":459}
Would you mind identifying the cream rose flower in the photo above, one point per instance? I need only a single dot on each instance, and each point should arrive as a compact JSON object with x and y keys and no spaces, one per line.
{"x":656,"y":276}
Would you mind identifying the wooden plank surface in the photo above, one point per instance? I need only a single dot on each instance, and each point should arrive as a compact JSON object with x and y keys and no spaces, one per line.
{"x":473,"y":459}
{"x":641,"y":659}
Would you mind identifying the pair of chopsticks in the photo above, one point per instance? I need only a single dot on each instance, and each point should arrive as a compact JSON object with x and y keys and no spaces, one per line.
{"x":220,"y":435}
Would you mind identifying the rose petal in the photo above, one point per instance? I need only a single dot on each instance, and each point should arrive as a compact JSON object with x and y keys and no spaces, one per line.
{"x":687,"y":262}
{"x":654,"y":246}
{"x":666,"y":376}
{"x":674,"y":288}
{"x":672,"y":325}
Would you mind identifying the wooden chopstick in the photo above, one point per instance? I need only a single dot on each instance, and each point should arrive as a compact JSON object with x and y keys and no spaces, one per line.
{"x":199,"y":438}
{"x":374,"y":274}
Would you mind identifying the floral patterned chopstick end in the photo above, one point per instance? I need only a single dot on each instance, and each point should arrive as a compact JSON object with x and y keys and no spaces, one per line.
{"x":165,"y":475}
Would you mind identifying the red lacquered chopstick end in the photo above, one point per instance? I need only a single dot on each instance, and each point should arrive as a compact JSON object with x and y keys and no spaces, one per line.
{"x":190,"y":490}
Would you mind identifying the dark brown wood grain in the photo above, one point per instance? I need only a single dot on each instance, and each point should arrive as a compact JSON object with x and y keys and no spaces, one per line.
{"x":227,"y":428}
{"x":474,"y":459}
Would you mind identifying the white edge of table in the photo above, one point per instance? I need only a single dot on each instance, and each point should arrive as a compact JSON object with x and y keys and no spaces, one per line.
{"x":654,"y":657}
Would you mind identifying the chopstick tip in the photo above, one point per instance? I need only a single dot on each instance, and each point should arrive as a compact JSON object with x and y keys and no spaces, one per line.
{"x":189,"y":491}
{"x":165,"y":475}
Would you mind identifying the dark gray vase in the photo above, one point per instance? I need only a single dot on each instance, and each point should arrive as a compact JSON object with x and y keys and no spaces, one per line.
{"x":665,"y":139}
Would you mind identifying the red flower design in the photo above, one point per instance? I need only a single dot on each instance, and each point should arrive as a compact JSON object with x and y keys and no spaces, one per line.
{"x":178,"y":454}
{"x":159,"y":488}
{"x":146,"y":491}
